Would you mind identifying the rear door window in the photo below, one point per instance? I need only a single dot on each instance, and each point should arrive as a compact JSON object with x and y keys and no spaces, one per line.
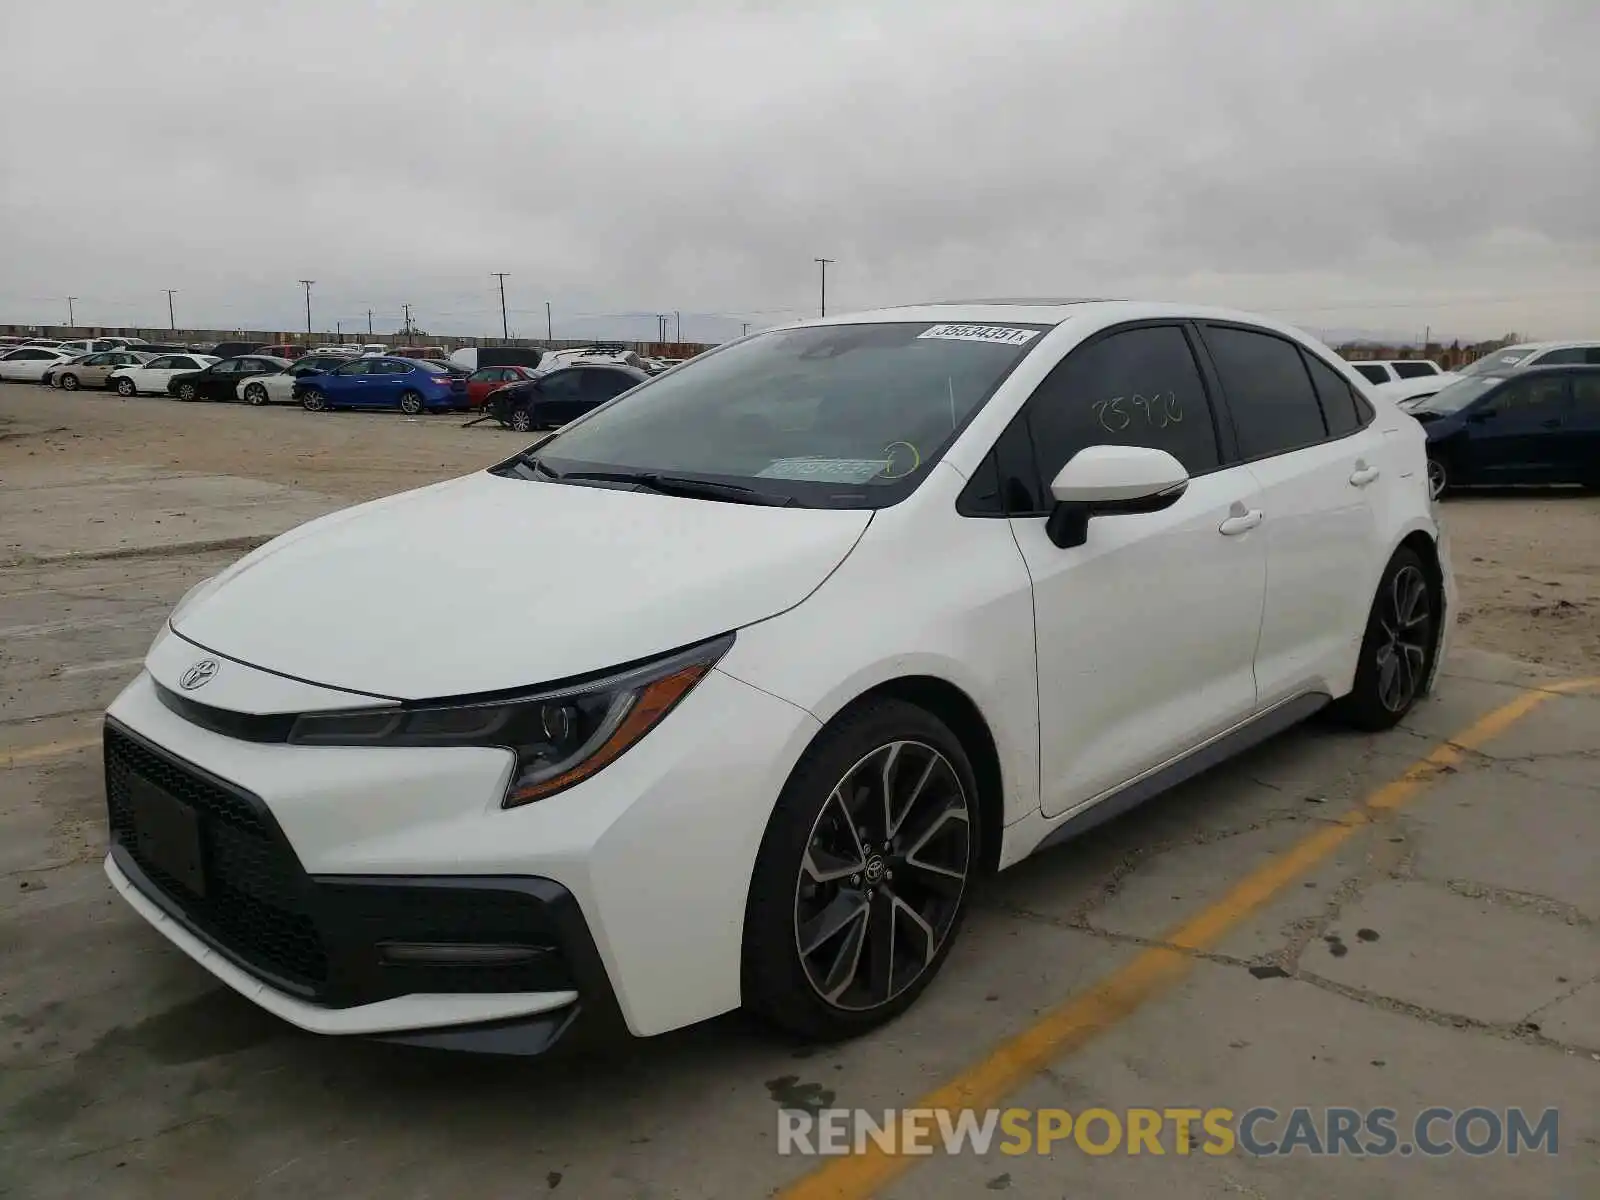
{"x":1340,"y":407}
{"x":1372,"y":373}
{"x":1269,"y":392}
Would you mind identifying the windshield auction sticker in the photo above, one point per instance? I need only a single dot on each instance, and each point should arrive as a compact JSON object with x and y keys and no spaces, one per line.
{"x":825,"y":470}
{"x":1003,"y":335}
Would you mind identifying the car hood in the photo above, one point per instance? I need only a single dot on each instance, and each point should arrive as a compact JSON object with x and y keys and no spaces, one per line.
{"x":487,"y":583}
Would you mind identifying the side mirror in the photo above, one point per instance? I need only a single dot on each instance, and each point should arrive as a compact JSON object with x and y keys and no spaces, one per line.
{"x":1107,"y":481}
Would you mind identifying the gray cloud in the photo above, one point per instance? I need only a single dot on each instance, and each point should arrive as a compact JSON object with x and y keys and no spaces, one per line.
{"x":1341,"y":164}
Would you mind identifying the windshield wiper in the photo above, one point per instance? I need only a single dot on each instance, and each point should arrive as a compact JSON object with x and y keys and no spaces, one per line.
{"x":678,"y":485}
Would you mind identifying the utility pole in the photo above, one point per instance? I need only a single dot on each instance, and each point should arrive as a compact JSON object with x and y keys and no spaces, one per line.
{"x":407,"y":307}
{"x":823,"y":263}
{"x":72,"y":317}
{"x":678,"y":316}
{"x":505,"y":328}
{"x":172,"y":321}
{"x":306,"y":283}
{"x":549,"y":335}
{"x":338,"y":328}
{"x":369,"y":323}
{"x":746,"y":328}
{"x":1427,"y":335}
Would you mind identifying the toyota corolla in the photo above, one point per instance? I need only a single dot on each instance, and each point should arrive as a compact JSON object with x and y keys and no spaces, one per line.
{"x":808,"y":636}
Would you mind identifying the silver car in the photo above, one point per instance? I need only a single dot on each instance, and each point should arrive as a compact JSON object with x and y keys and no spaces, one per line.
{"x":94,"y":370}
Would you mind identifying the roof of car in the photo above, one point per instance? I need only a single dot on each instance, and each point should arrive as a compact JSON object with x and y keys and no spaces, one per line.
{"x":1567,"y":345}
{"x":1092,"y":313}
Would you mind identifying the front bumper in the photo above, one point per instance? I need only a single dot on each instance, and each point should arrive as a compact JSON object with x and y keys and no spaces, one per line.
{"x":316,"y":861}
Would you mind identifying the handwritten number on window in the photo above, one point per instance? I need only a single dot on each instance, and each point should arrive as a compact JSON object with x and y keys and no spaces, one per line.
{"x":1155,"y":411}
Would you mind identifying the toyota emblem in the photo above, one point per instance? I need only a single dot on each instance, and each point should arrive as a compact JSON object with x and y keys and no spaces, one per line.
{"x":199,"y":675}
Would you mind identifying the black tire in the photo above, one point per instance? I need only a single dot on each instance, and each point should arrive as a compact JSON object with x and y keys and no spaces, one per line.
{"x":126,"y":387}
{"x":411,"y":403}
{"x":791,"y":905}
{"x":312,"y":400}
{"x":68,"y":381}
{"x":1438,"y":477}
{"x":255,"y":394}
{"x":188,"y":392}
{"x":522,"y":420}
{"x":1402,"y":632}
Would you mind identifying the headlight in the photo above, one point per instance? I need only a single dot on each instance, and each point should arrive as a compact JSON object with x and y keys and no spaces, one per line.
{"x":560,"y":736}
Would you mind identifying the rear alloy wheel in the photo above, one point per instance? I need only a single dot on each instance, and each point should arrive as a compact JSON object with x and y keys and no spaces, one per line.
{"x":1398,"y":649}
{"x":411,"y":403}
{"x":1438,"y":478}
{"x":863,"y":874}
{"x":126,"y":387}
{"x":313,"y":401}
{"x":187,"y":391}
{"x":255,"y":394}
{"x":69,"y":383}
{"x":522,"y":420}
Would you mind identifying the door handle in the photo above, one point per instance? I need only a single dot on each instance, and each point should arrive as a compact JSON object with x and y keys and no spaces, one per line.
{"x":1242,"y":521}
{"x":1363,"y":475}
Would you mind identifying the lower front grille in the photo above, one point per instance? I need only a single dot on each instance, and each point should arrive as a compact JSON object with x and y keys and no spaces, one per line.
{"x":255,"y":899}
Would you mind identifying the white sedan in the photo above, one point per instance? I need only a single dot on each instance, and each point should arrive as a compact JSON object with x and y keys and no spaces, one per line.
{"x":29,"y":363}
{"x":1012,"y":569}
{"x":279,"y":388}
{"x":153,"y":376}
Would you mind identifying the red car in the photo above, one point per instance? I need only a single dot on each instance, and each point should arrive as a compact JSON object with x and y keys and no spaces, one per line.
{"x":484,"y":380}
{"x":283,"y":350}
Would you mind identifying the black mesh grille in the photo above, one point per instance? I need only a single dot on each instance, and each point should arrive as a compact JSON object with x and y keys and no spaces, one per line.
{"x":255,"y":890}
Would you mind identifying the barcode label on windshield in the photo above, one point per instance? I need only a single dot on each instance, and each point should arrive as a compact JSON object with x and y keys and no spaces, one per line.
{"x":1004,"y":335}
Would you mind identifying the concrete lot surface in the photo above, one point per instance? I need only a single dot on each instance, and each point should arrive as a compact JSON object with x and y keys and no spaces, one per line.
{"x":1405,"y":921}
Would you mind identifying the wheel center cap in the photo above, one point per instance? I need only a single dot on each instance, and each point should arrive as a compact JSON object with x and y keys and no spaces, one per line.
{"x":875,"y":869}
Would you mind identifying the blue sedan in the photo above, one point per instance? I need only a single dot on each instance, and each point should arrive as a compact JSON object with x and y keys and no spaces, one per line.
{"x":409,"y":384}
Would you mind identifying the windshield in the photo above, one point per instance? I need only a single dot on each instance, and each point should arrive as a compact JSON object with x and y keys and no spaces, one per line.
{"x":838,"y":415}
{"x":1497,"y":360}
{"x":1458,"y":395}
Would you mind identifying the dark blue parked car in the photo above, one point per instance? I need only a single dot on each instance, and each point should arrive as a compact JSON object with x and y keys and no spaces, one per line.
{"x":1540,"y":425}
{"x":409,"y":384}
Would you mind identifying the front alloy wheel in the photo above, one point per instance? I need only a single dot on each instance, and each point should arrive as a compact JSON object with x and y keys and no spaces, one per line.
{"x":125,"y":386}
{"x":863,"y":873}
{"x":522,"y":420}
{"x":882,"y":877}
{"x":187,"y":391}
{"x":1438,"y":478}
{"x":255,"y":394}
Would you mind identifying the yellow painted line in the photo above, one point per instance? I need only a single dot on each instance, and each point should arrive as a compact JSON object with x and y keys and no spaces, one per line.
{"x":1155,"y":971}
{"x":31,"y":754}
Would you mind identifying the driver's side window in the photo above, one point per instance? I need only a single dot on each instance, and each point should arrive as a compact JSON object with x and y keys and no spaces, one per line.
{"x":1527,"y":399}
{"x":1139,"y":387}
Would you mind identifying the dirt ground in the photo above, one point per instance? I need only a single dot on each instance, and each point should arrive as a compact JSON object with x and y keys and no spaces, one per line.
{"x":1528,"y":563}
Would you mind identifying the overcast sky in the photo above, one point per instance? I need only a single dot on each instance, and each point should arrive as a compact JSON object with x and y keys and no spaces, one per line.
{"x":1369,"y":165}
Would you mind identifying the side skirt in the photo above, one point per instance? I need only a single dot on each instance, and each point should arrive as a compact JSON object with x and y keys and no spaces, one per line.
{"x":1202,"y":758}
